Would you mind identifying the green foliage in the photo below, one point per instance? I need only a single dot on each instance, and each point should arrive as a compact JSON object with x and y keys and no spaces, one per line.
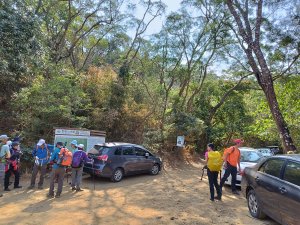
{"x":46,"y":104}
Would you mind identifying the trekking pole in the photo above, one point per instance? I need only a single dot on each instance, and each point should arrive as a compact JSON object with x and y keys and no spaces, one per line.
{"x":93,"y":174}
{"x":204,"y":167}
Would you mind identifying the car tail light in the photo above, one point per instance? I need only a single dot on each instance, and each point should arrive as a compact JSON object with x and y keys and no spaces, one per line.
{"x":103,"y":157}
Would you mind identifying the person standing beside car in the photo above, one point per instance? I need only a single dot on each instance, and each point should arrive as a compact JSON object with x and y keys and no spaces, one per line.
{"x":214,"y":163}
{"x":79,"y":158}
{"x":232,"y":157}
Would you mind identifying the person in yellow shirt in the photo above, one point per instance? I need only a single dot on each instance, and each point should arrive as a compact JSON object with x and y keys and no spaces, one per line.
{"x":231,"y":157}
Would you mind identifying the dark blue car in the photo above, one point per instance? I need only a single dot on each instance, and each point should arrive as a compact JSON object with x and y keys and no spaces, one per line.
{"x":115,"y":160}
{"x":272,"y":188}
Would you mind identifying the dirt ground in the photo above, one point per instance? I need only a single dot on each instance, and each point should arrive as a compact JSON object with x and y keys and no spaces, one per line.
{"x":176,"y":196}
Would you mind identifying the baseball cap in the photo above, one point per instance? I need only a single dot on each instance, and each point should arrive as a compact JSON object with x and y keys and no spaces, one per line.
{"x":238,"y":141}
{"x":41,"y":142}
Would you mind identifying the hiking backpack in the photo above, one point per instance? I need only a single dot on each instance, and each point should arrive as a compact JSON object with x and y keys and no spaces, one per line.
{"x":77,"y":160}
{"x":64,"y":157}
{"x":214,"y":161}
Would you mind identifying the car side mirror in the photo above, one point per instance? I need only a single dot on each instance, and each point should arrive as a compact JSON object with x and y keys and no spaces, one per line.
{"x":146,"y":154}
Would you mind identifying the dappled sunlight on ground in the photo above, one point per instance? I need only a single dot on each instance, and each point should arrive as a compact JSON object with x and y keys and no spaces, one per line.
{"x":173,"y":197}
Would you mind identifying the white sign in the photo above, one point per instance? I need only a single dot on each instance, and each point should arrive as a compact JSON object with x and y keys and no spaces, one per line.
{"x":180,"y":141}
{"x":72,"y":132}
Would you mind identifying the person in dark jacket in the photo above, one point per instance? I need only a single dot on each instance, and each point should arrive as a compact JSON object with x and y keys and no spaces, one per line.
{"x":41,"y":157}
{"x":13,"y":167}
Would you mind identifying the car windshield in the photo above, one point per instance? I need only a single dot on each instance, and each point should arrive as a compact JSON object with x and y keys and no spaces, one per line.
{"x":250,"y":156}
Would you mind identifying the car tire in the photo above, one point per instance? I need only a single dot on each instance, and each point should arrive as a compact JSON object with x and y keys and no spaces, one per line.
{"x":117,"y":175}
{"x":254,"y":206}
{"x":155,"y":169}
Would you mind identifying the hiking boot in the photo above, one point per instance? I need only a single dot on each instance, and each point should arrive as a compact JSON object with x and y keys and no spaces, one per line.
{"x":218,"y":198}
{"x":57,"y":196}
{"x":236,"y":193}
{"x":6,"y":189}
{"x":1,"y":195}
{"x":73,"y":188}
{"x":18,"y":186}
{"x":50,"y":195}
{"x":79,"y":189}
{"x":211,"y":199}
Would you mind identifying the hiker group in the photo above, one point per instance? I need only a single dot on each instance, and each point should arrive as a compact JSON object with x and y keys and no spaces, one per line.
{"x":61,"y":160}
{"x":214,"y":162}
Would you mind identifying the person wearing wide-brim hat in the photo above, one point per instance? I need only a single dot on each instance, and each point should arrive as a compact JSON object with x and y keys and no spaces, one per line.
{"x":4,"y":157}
{"x":41,"y":156}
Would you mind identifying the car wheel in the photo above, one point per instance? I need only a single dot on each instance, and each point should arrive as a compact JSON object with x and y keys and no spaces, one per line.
{"x":254,"y":206}
{"x":155,"y":169}
{"x":117,"y":175}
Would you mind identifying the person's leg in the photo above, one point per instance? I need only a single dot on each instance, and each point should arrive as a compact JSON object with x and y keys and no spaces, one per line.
{"x":233,"y":180}
{"x":74,"y":174}
{"x":42,"y":176}
{"x":216,"y":184}
{"x":211,"y":185}
{"x":6,"y":179}
{"x":60,"y":179}
{"x":2,"y":174}
{"x":52,"y":179}
{"x":79,"y":178}
{"x":17,"y":178}
{"x":225,"y":176}
{"x":33,"y":176}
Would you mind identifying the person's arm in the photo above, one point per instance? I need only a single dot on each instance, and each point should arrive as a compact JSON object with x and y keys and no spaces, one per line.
{"x":7,"y":154}
{"x":239,"y":161}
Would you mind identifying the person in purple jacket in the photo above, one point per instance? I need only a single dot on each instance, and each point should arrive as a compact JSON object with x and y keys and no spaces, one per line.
{"x":79,"y":158}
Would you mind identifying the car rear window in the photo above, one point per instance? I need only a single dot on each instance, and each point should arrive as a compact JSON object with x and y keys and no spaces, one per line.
{"x":272,"y":167}
{"x":99,"y":150}
{"x":292,"y":173}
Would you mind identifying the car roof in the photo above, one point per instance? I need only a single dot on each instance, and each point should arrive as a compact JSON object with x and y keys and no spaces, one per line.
{"x":113,"y":144}
{"x":247,"y":149}
{"x":289,"y":156}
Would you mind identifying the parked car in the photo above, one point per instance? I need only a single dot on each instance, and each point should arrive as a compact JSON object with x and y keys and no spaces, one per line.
{"x":116,"y":160}
{"x":272,"y":188}
{"x":266,"y":152}
{"x":249,"y":157}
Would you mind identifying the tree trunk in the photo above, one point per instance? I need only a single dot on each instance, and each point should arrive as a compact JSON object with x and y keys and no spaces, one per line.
{"x":284,"y":134}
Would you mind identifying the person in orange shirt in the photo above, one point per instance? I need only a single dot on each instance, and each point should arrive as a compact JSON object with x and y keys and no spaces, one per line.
{"x":231,"y":157}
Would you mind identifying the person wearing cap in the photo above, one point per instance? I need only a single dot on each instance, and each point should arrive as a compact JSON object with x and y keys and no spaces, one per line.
{"x":41,"y":156}
{"x":74,"y":146}
{"x":58,"y":172}
{"x":13,"y":167}
{"x":79,"y":158}
{"x":232,"y":157}
{"x":4,"y":157}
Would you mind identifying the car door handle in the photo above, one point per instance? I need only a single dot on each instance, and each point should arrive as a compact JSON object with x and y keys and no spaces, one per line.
{"x":282,"y":190}
{"x":257,"y":179}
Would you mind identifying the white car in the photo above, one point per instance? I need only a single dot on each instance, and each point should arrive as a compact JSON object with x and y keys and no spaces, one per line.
{"x":266,"y":152}
{"x":249,"y":158}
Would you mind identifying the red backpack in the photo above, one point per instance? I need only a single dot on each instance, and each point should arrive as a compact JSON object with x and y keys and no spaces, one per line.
{"x":64,"y":157}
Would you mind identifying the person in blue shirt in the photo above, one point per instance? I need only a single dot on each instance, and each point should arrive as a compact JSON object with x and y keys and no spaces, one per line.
{"x":41,"y":157}
{"x":58,"y":172}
